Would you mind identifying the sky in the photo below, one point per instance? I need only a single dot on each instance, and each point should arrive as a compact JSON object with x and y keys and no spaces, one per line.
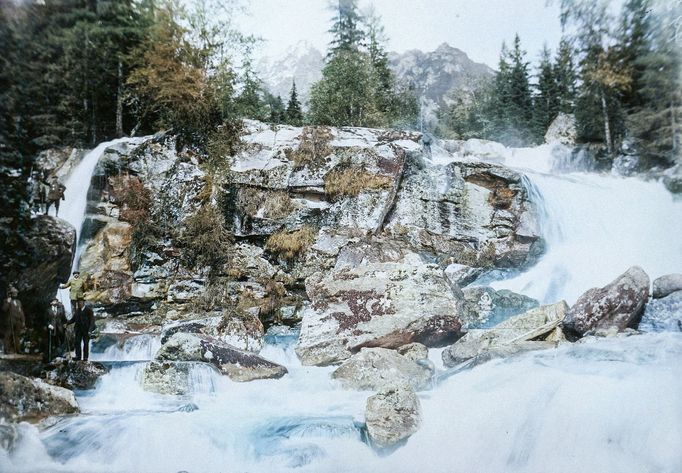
{"x":477,"y":27}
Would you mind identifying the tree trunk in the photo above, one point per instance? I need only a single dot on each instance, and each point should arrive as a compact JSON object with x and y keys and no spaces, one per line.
{"x":119,"y":101}
{"x":607,"y":123}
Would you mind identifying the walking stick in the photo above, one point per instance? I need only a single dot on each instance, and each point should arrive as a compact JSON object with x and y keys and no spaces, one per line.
{"x":49,"y":346}
{"x":14,"y":336}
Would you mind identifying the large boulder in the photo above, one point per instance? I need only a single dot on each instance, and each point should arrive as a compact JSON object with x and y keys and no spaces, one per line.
{"x":376,"y":305}
{"x":373,"y":368}
{"x":32,"y":400}
{"x":664,"y":313}
{"x":536,"y":329}
{"x":672,"y":179}
{"x":619,"y":304}
{"x":239,"y":329}
{"x":76,"y":374}
{"x":392,"y":415}
{"x":238,"y":365}
{"x":52,"y":244}
{"x":474,"y":213}
{"x":562,"y":130}
{"x":666,"y":285}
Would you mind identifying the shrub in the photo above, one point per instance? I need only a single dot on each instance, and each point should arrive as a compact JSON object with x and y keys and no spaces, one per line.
{"x":289,"y":245}
{"x":223,"y":143}
{"x":275,"y":204}
{"x":313,"y":147}
{"x":351,"y":181}
{"x":204,"y":240}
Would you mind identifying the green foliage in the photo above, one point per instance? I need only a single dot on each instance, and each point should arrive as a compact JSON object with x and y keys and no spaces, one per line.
{"x":357,"y":87}
{"x":204,"y":241}
{"x":294,"y":114}
{"x":546,"y":99}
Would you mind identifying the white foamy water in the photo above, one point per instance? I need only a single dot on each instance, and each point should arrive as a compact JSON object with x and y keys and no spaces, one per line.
{"x":612,"y":405}
{"x":596,"y":226}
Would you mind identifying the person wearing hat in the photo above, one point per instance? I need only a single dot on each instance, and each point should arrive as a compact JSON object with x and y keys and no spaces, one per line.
{"x":56,"y":330}
{"x":84,"y":323}
{"x":76,"y":287}
{"x":12,"y":322}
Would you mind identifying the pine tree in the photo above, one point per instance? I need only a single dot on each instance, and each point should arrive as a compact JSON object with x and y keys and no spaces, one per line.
{"x":546,"y":100}
{"x":346,"y":31}
{"x":565,"y":77}
{"x":294,"y":115}
{"x":278,"y":113}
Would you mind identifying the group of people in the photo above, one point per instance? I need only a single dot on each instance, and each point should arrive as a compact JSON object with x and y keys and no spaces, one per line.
{"x":45,"y":192}
{"x":60,"y":338}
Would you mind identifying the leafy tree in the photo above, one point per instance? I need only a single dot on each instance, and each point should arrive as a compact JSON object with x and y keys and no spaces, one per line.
{"x":294,"y":115}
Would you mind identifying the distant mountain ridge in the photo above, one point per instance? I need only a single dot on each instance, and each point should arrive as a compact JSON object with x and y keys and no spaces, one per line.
{"x":433,"y":75}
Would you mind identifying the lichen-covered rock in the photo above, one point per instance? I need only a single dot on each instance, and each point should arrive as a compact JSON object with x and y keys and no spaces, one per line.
{"x":475,"y":213}
{"x":239,"y":329}
{"x":76,"y":374}
{"x":376,"y":305}
{"x":619,"y":304}
{"x":373,"y":368}
{"x":414,"y":351}
{"x":486,"y":307}
{"x":666,"y":285}
{"x":22,"y":398}
{"x":664,"y":313}
{"x":392,"y":415}
{"x":511,"y":336}
{"x":237,"y":364}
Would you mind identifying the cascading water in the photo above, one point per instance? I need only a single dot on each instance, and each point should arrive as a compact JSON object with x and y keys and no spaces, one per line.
{"x":596,"y":226}
{"x":72,"y":209}
{"x":610,"y":406}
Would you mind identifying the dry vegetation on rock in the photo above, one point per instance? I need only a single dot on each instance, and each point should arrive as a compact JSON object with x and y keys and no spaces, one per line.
{"x":289,"y":245}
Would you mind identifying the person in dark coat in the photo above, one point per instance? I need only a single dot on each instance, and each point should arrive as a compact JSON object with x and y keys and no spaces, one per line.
{"x":12,"y":321}
{"x":54,"y":195}
{"x":56,"y":330}
{"x":84,"y":323}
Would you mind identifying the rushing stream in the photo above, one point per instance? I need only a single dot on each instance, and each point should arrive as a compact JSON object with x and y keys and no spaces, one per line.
{"x":613,"y":405}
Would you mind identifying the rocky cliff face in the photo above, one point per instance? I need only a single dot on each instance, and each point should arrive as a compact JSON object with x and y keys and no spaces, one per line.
{"x":350,"y":230}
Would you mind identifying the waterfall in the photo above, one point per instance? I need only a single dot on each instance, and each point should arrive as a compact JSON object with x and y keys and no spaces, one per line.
{"x":73,"y":208}
{"x":610,"y":405}
{"x":596,"y":226}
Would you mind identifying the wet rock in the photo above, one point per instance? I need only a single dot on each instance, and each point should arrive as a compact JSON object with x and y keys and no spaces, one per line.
{"x":619,"y":304}
{"x":9,"y":435}
{"x":664,"y":313}
{"x":392,"y":415}
{"x":376,"y":305}
{"x":666,"y":285}
{"x":475,"y":213}
{"x":374,"y":368}
{"x":672,"y":179}
{"x":52,"y":244}
{"x":414,"y":351}
{"x":562,"y":130}
{"x":76,"y":374}
{"x":520,"y":333}
{"x":166,"y":377}
{"x":486,"y":307}
{"x":237,"y":364}
{"x":462,"y":275}
{"x":239,"y":329}
{"x":22,"y":398}
{"x":626,"y":165}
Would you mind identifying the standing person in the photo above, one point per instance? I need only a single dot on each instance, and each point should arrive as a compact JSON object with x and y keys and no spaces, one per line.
{"x":84,"y":323}
{"x":56,"y":330}
{"x":13,"y":322}
{"x":54,"y":195}
{"x":76,"y":287}
{"x":427,"y":139}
